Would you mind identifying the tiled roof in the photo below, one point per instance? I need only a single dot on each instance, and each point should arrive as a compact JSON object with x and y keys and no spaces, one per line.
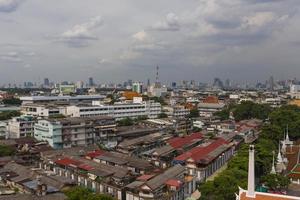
{"x":95,"y":153}
{"x":145,"y":177}
{"x":204,"y":152}
{"x":267,"y":196}
{"x":179,"y":142}
{"x":173,"y":182}
{"x":67,"y":162}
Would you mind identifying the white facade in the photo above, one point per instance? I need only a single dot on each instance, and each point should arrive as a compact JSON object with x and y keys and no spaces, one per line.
{"x":42,"y":110}
{"x":176,"y":111}
{"x":118,"y":111}
{"x":19,"y":127}
{"x":3,"y":129}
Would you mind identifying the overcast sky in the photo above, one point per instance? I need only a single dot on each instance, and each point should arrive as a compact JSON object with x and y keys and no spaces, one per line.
{"x":116,"y":40}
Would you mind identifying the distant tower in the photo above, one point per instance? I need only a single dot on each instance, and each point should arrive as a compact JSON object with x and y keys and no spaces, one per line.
{"x":271,"y":83}
{"x":91,"y":81}
{"x":46,"y":82}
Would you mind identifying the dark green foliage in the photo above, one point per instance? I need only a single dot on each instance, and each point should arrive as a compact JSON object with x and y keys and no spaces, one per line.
{"x":194,"y":113}
{"x":236,"y":173}
{"x":57,"y":116}
{"x":125,"y":122}
{"x":12,"y":101}
{"x":245,"y":110}
{"x":249,"y":110}
{"x":6,"y":151}
{"x":162,"y":115}
{"x":159,"y":100}
{"x":276,"y":181}
{"x":80,"y":193}
{"x":5,"y":115}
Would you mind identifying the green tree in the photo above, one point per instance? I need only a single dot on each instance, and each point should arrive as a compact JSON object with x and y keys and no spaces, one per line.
{"x":126,"y":122}
{"x":162,"y":115}
{"x":81,"y":193}
{"x":194,"y":113}
{"x":57,"y":116}
{"x":12,"y":101}
{"x":5,"y":115}
{"x":276,"y":181}
{"x":6,"y":151}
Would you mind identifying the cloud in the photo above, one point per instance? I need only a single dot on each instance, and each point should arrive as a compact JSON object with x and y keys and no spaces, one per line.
{"x":140,"y":36}
{"x":11,"y":57}
{"x":9,"y":5}
{"x":259,"y":19}
{"x":170,"y":23}
{"x":16,"y":56}
{"x":81,"y":35}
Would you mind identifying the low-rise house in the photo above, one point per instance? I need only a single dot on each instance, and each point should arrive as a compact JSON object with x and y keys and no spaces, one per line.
{"x":202,"y":161}
{"x":172,"y":184}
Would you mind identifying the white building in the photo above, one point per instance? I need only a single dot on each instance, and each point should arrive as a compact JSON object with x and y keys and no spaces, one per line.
{"x":149,"y":109}
{"x":176,"y":111}
{"x":3,"y":129}
{"x":19,"y":127}
{"x":47,"y":99}
{"x":295,"y":91}
{"x":157,"y":90}
{"x":42,"y":110}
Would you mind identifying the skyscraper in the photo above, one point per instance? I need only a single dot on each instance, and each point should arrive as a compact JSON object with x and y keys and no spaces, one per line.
{"x":91,"y":81}
{"x":46,"y":82}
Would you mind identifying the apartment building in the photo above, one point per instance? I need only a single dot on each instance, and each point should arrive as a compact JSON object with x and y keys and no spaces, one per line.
{"x":65,"y":98}
{"x":149,"y":109}
{"x":19,"y":127}
{"x":68,"y":132}
{"x":176,"y":111}
{"x":43,"y":110}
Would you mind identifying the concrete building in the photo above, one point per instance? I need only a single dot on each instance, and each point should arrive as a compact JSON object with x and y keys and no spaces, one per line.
{"x":68,"y":132}
{"x":149,"y":109}
{"x":70,"y":99}
{"x":137,"y":87}
{"x":3,"y":129}
{"x":176,"y":111}
{"x":19,"y":127}
{"x":43,"y":110}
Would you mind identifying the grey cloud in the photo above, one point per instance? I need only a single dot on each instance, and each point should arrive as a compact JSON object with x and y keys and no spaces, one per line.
{"x":170,"y":23}
{"x":9,"y":5}
{"x":82,"y":34}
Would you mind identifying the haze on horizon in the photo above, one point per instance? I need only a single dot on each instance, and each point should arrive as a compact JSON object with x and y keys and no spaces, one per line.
{"x":244,"y":40}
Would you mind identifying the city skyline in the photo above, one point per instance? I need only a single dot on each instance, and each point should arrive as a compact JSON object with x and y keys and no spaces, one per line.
{"x":192,"y":40}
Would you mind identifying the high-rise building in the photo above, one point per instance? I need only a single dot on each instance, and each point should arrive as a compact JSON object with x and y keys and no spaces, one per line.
{"x":91,"y":81}
{"x":79,"y":84}
{"x":218,"y":83}
{"x":46,"y":82}
{"x":271,"y":83}
{"x":137,"y":87}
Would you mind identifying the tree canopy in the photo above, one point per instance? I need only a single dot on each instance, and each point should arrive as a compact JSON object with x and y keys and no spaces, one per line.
{"x":81,"y":193}
{"x":245,"y":110}
{"x":5,"y":115}
{"x":236,"y":173}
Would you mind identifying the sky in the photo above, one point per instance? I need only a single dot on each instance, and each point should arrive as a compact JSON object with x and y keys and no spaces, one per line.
{"x":116,"y":40}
